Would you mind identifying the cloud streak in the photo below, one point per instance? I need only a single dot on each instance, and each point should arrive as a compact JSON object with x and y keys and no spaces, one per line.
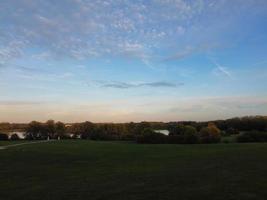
{"x":124,"y":85}
{"x":191,"y":50}
{"x":221,"y":71}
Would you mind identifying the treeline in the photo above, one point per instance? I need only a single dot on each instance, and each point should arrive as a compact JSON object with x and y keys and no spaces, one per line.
{"x":248,"y":123}
{"x":246,"y":129}
{"x":182,"y":134}
{"x":7,"y":127}
{"x":50,"y":129}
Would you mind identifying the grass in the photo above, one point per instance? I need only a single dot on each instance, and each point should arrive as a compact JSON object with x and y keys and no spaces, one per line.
{"x":120,"y":170}
{"x":4,"y":143}
{"x":229,"y":139}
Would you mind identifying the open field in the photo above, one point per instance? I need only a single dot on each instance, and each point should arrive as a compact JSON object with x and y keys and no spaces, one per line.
{"x":4,"y":143}
{"x":120,"y":170}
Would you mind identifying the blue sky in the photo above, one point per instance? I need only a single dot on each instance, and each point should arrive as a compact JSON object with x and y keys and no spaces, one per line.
{"x":120,"y":61}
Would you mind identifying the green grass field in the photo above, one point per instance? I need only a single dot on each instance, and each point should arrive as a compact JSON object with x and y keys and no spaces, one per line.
{"x":79,"y":170}
{"x":3,"y":143}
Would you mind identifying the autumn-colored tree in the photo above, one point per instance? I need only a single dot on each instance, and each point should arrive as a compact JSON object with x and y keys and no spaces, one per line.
{"x":210,"y":134}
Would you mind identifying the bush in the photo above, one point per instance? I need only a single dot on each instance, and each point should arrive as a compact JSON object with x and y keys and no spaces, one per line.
{"x":210,"y":134}
{"x":151,"y":137}
{"x":226,"y":141}
{"x":29,"y":137}
{"x":127,"y":137}
{"x":252,"y":136}
{"x":65,"y":137}
{"x":84,"y":136}
{"x":102,"y":136}
{"x":14,"y":137}
{"x":74,"y":136}
{"x":175,"y":139}
{"x":190,"y":135}
{"x":229,"y":139}
{"x":3,"y":136}
{"x":231,"y":131}
{"x":183,"y":135}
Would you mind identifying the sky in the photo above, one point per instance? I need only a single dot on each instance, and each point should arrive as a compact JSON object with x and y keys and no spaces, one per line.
{"x":132,"y":60}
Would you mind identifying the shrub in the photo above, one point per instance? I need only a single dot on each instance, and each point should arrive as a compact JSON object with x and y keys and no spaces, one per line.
{"x":84,"y":136}
{"x":102,"y":136}
{"x":175,"y":139}
{"x":3,"y":136}
{"x":29,"y":137}
{"x":183,"y":135}
{"x":210,"y":134}
{"x":65,"y":137}
{"x":127,"y":137}
{"x":74,"y":136}
{"x":14,"y":137}
{"x":229,"y":139}
{"x":252,"y":136}
{"x":226,"y":141}
{"x":231,"y":131}
{"x":151,"y":137}
{"x":190,"y":135}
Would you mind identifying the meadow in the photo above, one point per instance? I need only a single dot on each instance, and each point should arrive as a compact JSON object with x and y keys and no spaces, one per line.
{"x":82,"y":169}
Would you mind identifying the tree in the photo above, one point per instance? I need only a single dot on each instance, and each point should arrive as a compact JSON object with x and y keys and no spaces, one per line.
{"x":177,"y":130}
{"x":60,"y":129}
{"x":75,"y":129}
{"x":87,"y":130}
{"x":14,"y":137}
{"x":140,"y":127}
{"x":3,"y":136}
{"x":34,"y":130}
{"x":149,"y":136}
{"x":210,"y":134}
{"x":213,"y":127}
{"x":252,"y":136}
{"x":51,"y":128}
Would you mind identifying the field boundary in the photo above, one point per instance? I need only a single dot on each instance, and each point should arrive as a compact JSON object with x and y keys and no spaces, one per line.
{"x":24,"y":143}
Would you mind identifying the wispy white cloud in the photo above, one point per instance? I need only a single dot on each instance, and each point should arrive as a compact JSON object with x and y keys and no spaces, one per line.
{"x":221,"y":70}
{"x":124,"y":85}
{"x":133,"y":34}
{"x":85,"y":29}
{"x":11,"y":50}
{"x":188,"y":51}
